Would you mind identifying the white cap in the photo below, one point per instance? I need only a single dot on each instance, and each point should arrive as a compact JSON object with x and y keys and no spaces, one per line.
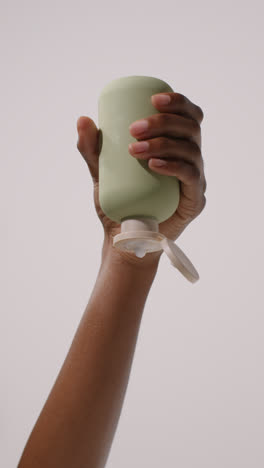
{"x":142,"y":235}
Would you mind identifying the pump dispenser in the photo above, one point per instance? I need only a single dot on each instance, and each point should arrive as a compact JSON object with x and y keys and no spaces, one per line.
{"x":130,"y":193}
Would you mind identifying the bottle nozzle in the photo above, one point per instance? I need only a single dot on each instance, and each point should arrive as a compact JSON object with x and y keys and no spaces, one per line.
{"x":142,"y":235}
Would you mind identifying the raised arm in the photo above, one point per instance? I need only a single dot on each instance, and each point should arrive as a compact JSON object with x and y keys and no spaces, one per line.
{"x":78,"y":421}
{"x":77,"y":424}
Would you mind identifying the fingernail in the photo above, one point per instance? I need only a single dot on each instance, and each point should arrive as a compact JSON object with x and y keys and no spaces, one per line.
{"x":139,"y":127}
{"x":158,"y":162}
{"x":139,"y":147}
{"x":162,"y":99}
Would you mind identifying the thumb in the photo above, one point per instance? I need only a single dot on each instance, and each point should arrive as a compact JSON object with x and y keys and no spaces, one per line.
{"x":89,"y":142}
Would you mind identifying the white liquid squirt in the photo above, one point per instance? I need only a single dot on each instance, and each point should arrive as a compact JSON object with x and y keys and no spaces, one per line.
{"x":139,"y":251}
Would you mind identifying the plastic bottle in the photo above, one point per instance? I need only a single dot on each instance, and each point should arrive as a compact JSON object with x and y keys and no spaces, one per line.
{"x":130,"y":193}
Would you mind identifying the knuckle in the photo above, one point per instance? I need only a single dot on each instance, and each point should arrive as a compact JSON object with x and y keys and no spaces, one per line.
{"x":180,"y":98}
{"x":201,"y":114}
{"x":195,"y":127}
{"x":195,"y":149}
{"x":194,"y":173}
{"x":201,"y":205}
{"x":203,"y":202}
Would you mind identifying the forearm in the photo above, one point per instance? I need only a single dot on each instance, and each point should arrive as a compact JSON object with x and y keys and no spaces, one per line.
{"x":78,"y":422}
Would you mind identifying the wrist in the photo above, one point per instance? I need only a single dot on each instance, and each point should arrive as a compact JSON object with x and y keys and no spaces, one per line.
{"x":149,"y":262}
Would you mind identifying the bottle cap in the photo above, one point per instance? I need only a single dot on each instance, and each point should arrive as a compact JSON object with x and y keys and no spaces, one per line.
{"x":142,"y":235}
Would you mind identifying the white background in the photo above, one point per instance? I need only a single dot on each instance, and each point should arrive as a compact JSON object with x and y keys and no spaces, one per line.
{"x":195,"y":396}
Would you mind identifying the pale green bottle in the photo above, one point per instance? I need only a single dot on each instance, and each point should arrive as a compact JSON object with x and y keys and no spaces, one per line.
{"x":130,"y":193}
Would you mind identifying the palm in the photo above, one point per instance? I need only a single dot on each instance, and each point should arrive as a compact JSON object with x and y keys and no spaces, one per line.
{"x":111,"y":227}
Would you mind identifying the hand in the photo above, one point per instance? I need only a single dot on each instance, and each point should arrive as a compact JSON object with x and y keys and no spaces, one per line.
{"x":174,"y":136}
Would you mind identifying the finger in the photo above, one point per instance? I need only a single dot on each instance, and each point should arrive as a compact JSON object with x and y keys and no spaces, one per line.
{"x":169,"y":148}
{"x":192,"y":180}
{"x":178,"y":104}
{"x":89,"y":144}
{"x":169,"y":125}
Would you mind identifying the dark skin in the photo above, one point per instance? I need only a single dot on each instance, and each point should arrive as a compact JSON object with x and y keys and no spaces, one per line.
{"x":174,"y":135}
{"x":77,"y":424}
